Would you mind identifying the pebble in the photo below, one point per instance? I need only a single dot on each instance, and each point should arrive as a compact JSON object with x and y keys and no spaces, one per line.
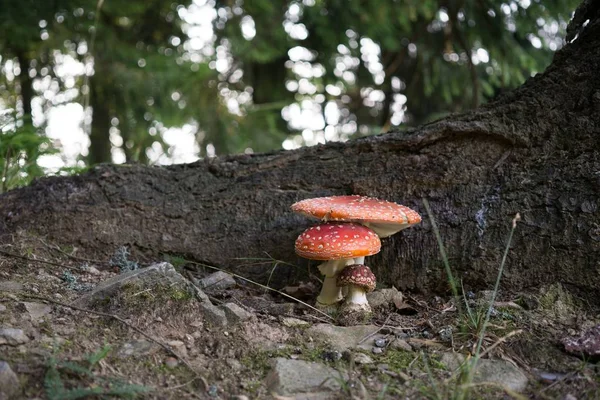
{"x":213,"y":391}
{"x":9,"y":382}
{"x":12,"y":336}
{"x":171,"y":362}
{"x":377,"y":350}
{"x":332,"y":355}
{"x":362,"y":358}
{"x":380,"y":342}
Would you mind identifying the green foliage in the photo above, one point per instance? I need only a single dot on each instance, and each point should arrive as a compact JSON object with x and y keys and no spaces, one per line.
{"x":60,"y":374}
{"x":20,"y":149}
{"x":379,"y":63}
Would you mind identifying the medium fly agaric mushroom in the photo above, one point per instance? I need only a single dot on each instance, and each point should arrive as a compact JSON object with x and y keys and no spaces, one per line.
{"x":338,"y":244}
{"x":360,"y":280}
{"x":384,"y":217}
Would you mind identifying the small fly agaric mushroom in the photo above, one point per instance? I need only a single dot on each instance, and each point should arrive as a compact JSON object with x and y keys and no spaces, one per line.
{"x":336,"y":244}
{"x":384,"y":217}
{"x":360,"y":280}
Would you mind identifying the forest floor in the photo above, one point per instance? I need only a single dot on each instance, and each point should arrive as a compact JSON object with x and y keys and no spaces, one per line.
{"x":156,"y":339}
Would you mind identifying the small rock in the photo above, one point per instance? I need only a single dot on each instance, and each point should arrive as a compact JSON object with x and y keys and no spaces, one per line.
{"x":171,"y":362}
{"x":446,"y":334}
{"x":362,"y":358}
{"x":11,"y":286}
{"x":2,"y":308}
{"x":383,"y":297}
{"x":235,"y":313}
{"x":586,"y":345}
{"x":331,"y":356}
{"x":176,"y":343}
{"x":291,"y":322}
{"x":213,"y":314}
{"x":9,"y":382}
{"x":93,"y":271}
{"x":500,"y":372}
{"x":37,"y":310}
{"x":291,"y":377}
{"x":380,"y":342}
{"x":12,"y":337}
{"x":136,"y":348}
{"x":240,"y":397}
{"x":217,"y":281}
{"x":400,"y":344}
{"x":161,"y":273}
{"x":342,"y":338}
{"x":377,"y":350}
{"x":213,"y":391}
{"x":280,"y":308}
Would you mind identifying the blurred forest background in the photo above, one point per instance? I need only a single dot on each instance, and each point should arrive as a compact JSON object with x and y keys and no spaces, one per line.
{"x":162,"y":81}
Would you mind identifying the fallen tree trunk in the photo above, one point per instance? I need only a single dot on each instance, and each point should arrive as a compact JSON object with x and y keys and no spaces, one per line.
{"x":535,"y":151}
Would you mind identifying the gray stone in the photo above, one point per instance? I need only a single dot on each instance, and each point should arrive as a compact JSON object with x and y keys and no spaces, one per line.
{"x":235,"y":313}
{"x":136,"y":348}
{"x":400,"y":344}
{"x":291,"y":322}
{"x":9,"y":382}
{"x":342,"y":338}
{"x":161,"y":273}
{"x":213,"y":314}
{"x":362,"y":358}
{"x":295,"y":377}
{"x":37,"y":310}
{"x":11,"y":286}
{"x":2,"y":307}
{"x":383,"y":297}
{"x":217,"y":281}
{"x":499,"y":372}
{"x":586,"y":345}
{"x":13,"y":337}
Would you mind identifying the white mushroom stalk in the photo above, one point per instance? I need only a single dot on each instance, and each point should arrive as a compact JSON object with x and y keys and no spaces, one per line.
{"x":330,"y":292}
{"x":336,"y":245}
{"x":359,"y":280}
{"x":357,"y":295}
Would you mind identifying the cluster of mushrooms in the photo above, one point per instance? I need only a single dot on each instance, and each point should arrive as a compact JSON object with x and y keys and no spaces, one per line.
{"x":350,"y":230}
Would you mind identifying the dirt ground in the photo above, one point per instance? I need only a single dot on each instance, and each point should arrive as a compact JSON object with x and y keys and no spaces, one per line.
{"x":156,"y":344}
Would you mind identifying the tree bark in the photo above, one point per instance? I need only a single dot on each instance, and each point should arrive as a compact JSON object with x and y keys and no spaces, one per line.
{"x":25,"y":83}
{"x":535,"y":150}
{"x":100,"y":146}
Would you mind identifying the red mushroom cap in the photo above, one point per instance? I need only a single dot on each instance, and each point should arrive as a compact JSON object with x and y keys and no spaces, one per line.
{"x":357,"y":208}
{"x":358,"y":275}
{"x":336,"y":241}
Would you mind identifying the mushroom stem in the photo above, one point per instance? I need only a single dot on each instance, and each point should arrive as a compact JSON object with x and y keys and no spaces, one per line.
{"x":356,"y":295}
{"x":330,"y":292}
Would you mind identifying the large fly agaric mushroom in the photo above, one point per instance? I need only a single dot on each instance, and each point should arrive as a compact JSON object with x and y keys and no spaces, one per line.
{"x":384,"y":217}
{"x":360,"y":280}
{"x":338,"y":245}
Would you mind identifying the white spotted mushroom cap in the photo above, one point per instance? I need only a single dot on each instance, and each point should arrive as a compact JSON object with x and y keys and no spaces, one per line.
{"x":358,"y":275}
{"x":333,"y":241}
{"x":357,"y":208}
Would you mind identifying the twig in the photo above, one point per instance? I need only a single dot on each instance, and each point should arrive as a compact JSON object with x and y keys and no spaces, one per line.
{"x":39,"y":260}
{"x":55,"y":247}
{"x":262,"y":286}
{"x":501,"y":340}
{"x":377,"y":331}
{"x":167,"y":348}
